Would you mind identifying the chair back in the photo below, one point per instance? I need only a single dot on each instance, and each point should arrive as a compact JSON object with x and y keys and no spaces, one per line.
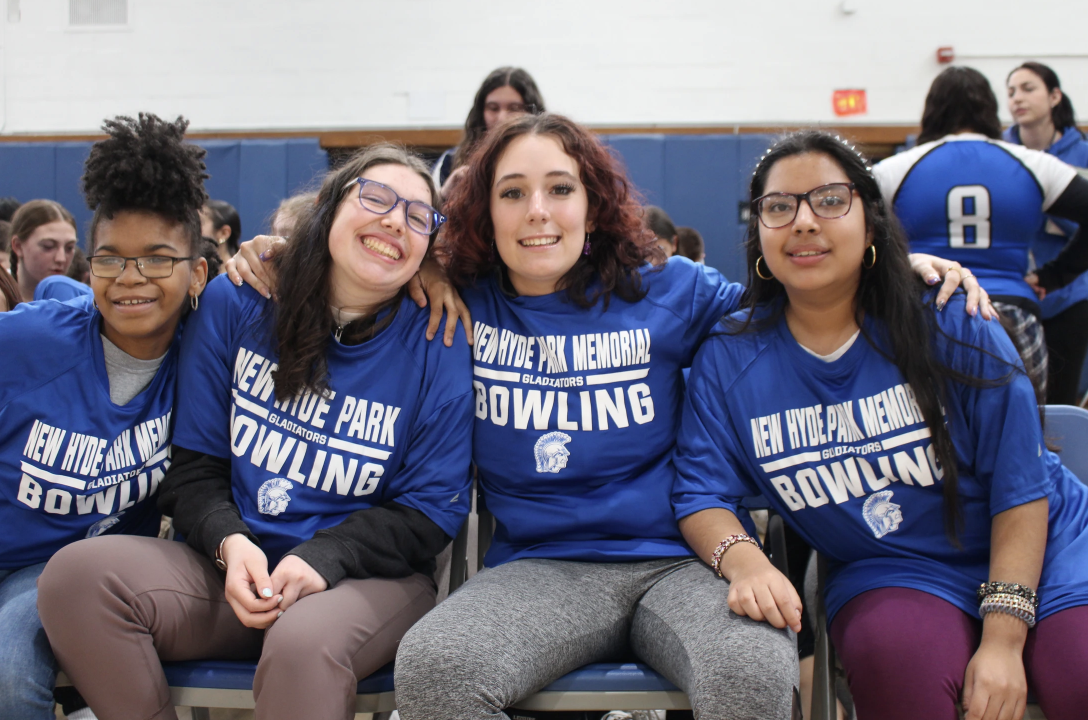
{"x":1067,"y":427}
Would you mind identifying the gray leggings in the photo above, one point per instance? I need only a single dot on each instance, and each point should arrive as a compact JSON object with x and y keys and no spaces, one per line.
{"x":513,"y":629}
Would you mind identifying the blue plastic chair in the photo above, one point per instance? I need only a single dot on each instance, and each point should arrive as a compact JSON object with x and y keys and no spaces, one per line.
{"x":608,"y":686}
{"x":1067,"y":427}
{"x":205,"y":684}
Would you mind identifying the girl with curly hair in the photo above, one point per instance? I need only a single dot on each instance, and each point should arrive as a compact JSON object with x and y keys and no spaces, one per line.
{"x":89,"y":386}
{"x":320,"y":462}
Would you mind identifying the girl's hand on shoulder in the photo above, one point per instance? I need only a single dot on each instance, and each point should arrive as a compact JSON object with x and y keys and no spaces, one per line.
{"x":932,"y":269}
{"x":248,"y":588}
{"x":250,"y":264}
{"x":432,"y":284}
{"x":295,"y":579}
{"x":758,"y":590}
{"x":995,"y":686}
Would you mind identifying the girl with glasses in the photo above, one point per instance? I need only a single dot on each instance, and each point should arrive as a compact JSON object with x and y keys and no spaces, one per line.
{"x":506,"y":93}
{"x":964,"y":194}
{"x":904,"y":444}
{"x":88,"y":393}
{"x":1043,"y":120}
{"x":320,"y":462}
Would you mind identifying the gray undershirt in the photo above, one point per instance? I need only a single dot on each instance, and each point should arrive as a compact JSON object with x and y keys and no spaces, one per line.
{"x":128,"y":376}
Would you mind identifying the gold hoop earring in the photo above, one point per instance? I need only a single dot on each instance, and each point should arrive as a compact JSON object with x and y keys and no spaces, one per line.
{"x":869,"y":265}
{"x":768,"y":276}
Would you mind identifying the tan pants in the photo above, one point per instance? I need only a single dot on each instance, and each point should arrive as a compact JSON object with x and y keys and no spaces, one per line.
{"x":115,"y":606}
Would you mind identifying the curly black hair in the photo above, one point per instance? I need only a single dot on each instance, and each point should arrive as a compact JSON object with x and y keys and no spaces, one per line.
{"x":145,"y":165}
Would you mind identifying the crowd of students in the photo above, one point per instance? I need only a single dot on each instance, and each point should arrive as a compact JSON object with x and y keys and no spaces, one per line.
{"x":314,"y":447}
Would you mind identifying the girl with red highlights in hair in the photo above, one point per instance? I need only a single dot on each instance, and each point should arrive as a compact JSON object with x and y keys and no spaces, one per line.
{"x":581,"y":333}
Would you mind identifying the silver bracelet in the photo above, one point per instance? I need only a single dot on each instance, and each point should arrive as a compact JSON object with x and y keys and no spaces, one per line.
{"x":219,"y":561}
{"x":1009,"y":604}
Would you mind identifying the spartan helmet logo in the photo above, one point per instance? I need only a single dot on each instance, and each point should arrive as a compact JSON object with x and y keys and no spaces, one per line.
{"x":104,"y":525}
{"x":551,"y":452}
{"x":881,"y":513}
{"x":272,"y":498}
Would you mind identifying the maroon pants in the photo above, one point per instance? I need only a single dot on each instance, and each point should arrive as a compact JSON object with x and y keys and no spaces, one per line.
{"x":906,"y":652}
{"x":115,"y":606}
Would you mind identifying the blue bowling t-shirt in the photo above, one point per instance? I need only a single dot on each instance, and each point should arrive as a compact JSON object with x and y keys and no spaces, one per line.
{"x":840,"y":450}
{"x":73,"y":464}
{"x":977,"y":201}
{"x":394,"y":425}
{"x":577,"y":412}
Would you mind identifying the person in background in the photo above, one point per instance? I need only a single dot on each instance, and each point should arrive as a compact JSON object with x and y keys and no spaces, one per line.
{"x":660,"y":224}
{"x":86,"y":381}
{"x":1043,"y":120}
{"x":288,"y":212}
{"x":43,"y":241}
{"x":8,"y":206}
{"x":507,"y":92}
{"x":79,"y":270}
{"x":60,"y":288}
{"x":957,"y":545}
{"x":9,"y":292}
{"x":965,"y":194}
{"x":219,"y":221}
{"x":689,"y":243}
{"x":5,"y":246}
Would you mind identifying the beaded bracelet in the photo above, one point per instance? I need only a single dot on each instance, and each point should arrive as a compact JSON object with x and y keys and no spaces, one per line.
{"x":992,"y":588}
{"x":725,"y":545}
{"x":1008,"y":604}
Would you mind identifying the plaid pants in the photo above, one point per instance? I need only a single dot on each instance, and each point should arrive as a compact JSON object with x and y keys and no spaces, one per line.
{"x":1026,"y":332}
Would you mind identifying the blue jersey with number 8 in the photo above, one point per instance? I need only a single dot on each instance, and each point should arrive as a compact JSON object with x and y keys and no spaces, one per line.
{"x":977,"y":201}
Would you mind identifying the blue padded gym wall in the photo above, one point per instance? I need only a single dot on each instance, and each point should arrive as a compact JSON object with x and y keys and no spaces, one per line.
{"x":252,"y":175}
{"x":700,"y":181}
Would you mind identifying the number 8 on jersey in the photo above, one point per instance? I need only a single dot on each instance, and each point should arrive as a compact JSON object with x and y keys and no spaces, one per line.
{"x":969,"y":217}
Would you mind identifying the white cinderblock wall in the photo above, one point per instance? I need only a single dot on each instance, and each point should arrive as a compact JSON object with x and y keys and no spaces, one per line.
{"x":327,"y":64}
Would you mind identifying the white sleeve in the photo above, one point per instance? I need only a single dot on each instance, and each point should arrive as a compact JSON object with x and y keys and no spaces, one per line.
{"x":1051,"y":173}
{"x":890,"y":173}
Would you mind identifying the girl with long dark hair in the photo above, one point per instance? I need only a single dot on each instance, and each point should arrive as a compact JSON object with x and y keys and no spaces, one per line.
{"x":506,"y":92}
{"x":89,"y":385}
{"x":320,"y":462}
{"x":965,"y":194}
{"x":903,"y":444}
{"x":1044,"y":121}
{"x":219,"y":222}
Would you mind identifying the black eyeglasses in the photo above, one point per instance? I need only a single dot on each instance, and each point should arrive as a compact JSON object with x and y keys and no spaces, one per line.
{"x":514,"y":108}
{"x":378,"y":198}
{"x":150,"y":266}
{"x":830,"y":201}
